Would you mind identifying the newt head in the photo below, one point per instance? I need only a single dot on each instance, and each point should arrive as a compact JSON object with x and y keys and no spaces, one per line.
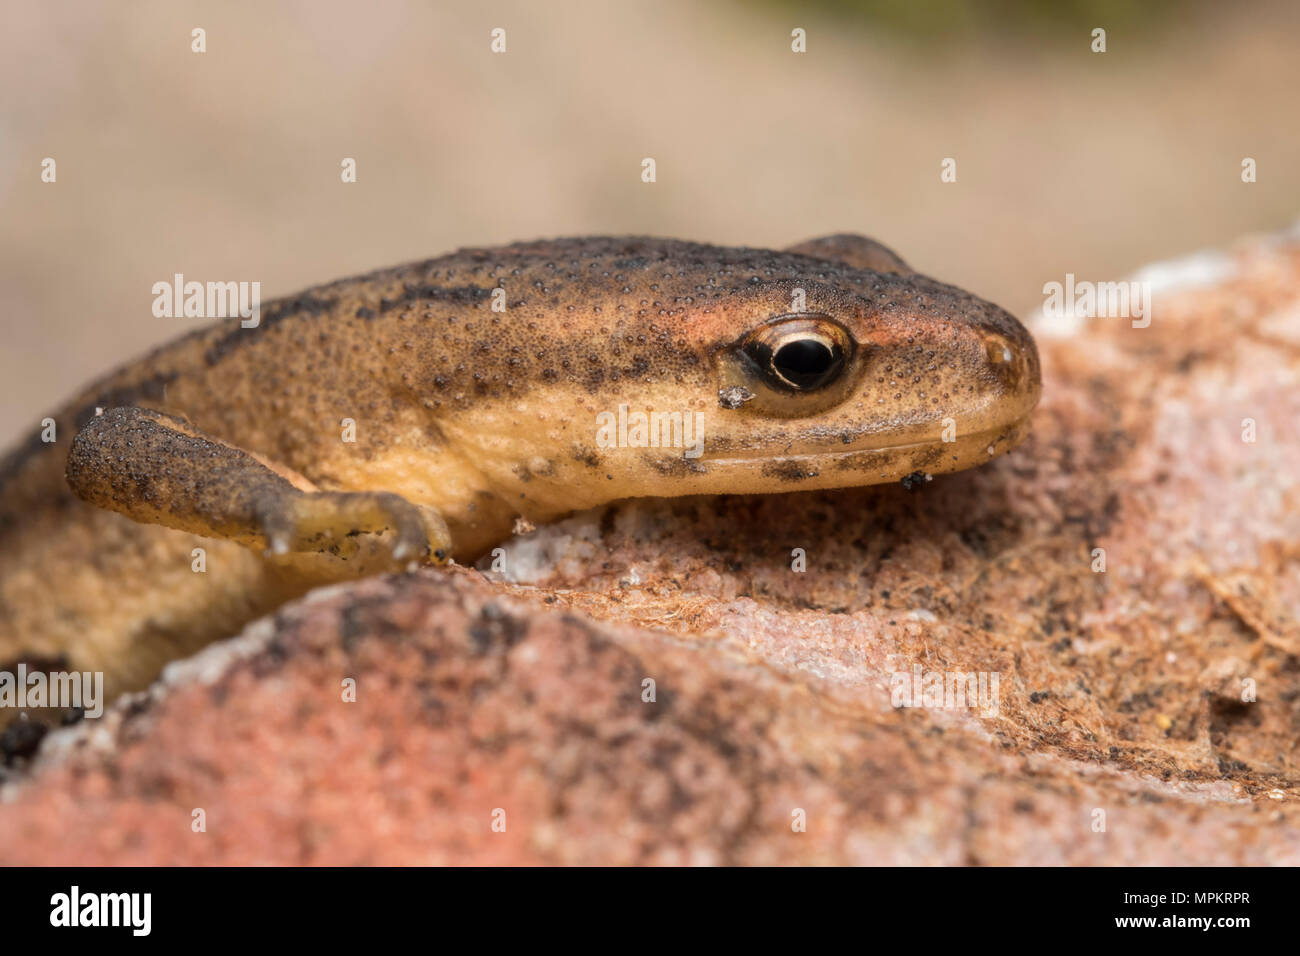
{"x":668,"y":368}
{"x":872,"y":381}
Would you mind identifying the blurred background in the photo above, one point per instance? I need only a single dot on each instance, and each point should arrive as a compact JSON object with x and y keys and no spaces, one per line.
{"x":225,"y":165}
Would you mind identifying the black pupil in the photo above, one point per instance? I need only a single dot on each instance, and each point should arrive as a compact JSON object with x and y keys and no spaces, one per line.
{"x":805,"y":363}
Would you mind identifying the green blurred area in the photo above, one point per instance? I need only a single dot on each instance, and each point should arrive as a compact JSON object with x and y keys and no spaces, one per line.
{"x":1058,"y":19}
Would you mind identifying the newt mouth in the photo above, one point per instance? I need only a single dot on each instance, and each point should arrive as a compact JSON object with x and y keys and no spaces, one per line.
{"x":1000,"y":439}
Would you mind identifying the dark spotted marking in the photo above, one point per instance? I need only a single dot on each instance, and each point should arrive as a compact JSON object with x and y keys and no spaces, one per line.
{"x":788,"y":469}
{"x":915,"y":481}
{"x":272,"y":314}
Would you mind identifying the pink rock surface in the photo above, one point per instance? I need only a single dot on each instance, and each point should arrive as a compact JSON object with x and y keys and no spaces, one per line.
{"x":1120,"y":692}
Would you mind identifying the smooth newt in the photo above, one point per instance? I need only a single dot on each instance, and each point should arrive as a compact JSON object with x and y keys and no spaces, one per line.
{"x":829,"y":364}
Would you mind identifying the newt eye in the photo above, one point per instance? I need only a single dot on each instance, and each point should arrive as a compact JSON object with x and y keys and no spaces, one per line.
{"x":799,"y":354}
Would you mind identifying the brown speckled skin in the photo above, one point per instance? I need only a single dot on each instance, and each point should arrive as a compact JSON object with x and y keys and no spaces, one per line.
{"x":486,"y":416}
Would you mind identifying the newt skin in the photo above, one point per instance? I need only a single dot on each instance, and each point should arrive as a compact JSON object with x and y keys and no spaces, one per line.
{"x":230,"y":439}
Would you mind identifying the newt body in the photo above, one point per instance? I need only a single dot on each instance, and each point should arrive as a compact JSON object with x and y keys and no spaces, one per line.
{"x":828,"y":365}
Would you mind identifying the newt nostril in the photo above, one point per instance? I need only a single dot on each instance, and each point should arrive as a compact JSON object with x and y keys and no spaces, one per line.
{"x":1007,"y":360}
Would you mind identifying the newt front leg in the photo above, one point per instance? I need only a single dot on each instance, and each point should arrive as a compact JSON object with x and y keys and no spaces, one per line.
{"x":159,"y":469}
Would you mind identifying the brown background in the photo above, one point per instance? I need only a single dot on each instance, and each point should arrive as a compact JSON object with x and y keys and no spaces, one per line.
{"x":225,"y":165}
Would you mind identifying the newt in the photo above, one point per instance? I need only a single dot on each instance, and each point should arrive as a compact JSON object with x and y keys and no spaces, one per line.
{"x":414,"y":414}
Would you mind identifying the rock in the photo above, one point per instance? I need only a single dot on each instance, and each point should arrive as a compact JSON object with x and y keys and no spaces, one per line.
{"x":1140,"y":714}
